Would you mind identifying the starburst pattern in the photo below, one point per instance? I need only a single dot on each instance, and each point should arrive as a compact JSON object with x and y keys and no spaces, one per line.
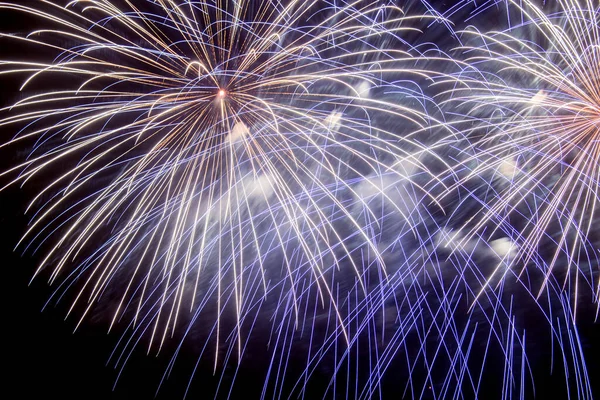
{"x":207,"y":157}
{"x":529,"y":101}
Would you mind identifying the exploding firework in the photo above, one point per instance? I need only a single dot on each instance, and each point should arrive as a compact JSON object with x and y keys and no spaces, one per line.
{"x":529,"y":101}
{"x":214,"y":161}
{"x":526,"y":110}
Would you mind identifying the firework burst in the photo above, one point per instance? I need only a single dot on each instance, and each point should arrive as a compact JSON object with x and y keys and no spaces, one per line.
{"x":203,"y":157}
{"x":529,"y":107}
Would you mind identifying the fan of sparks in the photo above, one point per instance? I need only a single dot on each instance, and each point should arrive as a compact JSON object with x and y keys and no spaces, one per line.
{"x":198,"y":154}
{"x":528,"y":103}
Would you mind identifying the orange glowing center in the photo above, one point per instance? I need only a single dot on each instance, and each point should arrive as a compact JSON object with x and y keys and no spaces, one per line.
{"x":222,"y":93}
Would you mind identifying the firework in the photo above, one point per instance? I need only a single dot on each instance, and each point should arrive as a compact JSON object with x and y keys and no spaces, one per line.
{"x":529,"y":101}
{"x":526,"y":108}
{"x":202,"y":158}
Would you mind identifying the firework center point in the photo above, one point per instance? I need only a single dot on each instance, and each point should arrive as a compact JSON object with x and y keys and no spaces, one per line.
{"x":222,"y":93}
